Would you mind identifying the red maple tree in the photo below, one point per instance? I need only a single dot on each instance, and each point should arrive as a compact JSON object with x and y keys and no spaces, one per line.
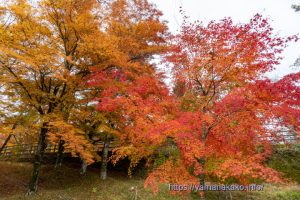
{"x":228,"y":109}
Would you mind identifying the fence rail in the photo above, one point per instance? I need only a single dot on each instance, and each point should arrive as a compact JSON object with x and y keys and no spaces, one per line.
{"x":29,"y":150}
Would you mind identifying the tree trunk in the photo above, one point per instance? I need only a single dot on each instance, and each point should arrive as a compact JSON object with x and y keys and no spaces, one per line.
{"x":38,"y":160}
{"x":5,"y":143}
{"x":60,"y":153}
{"x":83,"y":167}
{"x":202,"y":177}
{"x":202,"y":161}
{"x":8,"y":138}
{"x":103,"y":174}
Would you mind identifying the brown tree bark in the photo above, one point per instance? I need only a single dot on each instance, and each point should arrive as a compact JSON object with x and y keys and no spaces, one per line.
{"x":83,"y":167}
{"x":33,"y":184}
{"x":103,"y":173}
{"x":202,"y":162}
{"x":60,"y":153}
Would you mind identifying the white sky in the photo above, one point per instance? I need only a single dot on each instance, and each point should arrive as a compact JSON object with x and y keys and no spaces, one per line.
{"x":283,"y":19}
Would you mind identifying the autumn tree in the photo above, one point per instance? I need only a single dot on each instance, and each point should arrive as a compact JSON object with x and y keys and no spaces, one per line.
{"x":46,"y":51}
{"x":23,"y":125}
{"x":132,"y":95}
{"x":227,"y":105}
{"x":97,"y":128}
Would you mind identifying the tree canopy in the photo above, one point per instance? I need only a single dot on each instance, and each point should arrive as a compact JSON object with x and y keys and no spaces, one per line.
{"x":82,"y":72}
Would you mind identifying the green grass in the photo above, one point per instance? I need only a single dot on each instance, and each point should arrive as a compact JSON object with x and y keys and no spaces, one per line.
{"x":66,"y":183}
{"x":270,"y":192}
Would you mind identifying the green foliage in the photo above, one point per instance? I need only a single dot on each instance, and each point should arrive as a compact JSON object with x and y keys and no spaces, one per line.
{"x":165,"y":152}
{"x":287,"y":160}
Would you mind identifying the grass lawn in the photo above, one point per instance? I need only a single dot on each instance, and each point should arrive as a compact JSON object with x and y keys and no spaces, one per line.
{"x":67,"y":184}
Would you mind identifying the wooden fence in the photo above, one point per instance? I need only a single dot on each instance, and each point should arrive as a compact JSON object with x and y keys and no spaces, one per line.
{"x":29,"y":150}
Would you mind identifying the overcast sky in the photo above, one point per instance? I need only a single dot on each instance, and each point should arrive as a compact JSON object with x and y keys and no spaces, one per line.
{"x":283,"y":19}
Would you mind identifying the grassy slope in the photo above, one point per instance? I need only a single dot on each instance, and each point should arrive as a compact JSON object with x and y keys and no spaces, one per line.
{"x":287,"y":160}
{"x":67,"y":184}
